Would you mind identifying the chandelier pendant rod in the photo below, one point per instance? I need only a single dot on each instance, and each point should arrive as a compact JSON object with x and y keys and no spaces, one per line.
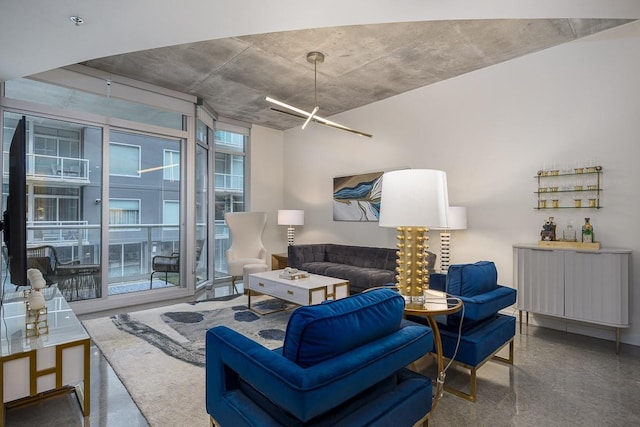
{"x":313,"y":57}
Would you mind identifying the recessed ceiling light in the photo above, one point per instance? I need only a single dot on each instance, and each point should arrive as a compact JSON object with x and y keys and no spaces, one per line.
{"x":77,"y":20}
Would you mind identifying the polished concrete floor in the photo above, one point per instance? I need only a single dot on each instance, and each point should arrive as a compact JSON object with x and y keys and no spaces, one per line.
{"x":559,"y":379}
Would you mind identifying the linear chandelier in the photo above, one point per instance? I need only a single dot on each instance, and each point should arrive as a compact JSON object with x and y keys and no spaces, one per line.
{"x":314,"y":58}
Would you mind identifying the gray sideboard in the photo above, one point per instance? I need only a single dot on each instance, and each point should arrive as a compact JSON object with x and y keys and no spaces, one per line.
{"x":584,"y":285}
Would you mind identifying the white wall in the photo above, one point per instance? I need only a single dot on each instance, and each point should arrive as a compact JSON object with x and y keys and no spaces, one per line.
{"x":491,"y":131}
{"x":266,"y":180}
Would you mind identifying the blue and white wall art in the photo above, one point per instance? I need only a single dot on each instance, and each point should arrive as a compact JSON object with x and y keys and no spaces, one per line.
{"x":357,"y":197}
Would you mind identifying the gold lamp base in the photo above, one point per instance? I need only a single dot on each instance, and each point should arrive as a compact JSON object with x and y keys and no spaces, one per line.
{"x":412,"y":277}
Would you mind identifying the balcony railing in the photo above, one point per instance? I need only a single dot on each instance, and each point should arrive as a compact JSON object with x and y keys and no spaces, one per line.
{"x":130,"y":252}
{"x":62,"y":232}
{"x":53,"y":168}
{"x":228,"y":182}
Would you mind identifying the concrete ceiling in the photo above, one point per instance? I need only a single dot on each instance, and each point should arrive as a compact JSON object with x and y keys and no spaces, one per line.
{"x":363,"y":64}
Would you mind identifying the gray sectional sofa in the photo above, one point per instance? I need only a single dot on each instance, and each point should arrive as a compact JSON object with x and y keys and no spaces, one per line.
{"x":364,"y":267}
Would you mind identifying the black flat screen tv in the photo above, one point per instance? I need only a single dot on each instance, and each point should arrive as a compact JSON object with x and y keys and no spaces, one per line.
{"x":15,"y":216}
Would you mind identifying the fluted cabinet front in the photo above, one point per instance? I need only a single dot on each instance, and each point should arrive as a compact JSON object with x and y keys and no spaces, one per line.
{"x":539,"y":278}
{"x":589,"y":286}
{"x":597,"y":287}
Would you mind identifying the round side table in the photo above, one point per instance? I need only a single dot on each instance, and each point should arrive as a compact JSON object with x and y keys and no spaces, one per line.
{"x":436,"y":303}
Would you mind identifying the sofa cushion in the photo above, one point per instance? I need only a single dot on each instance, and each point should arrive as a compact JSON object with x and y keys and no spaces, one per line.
{"x":361,"y":256}
{"x":320,"y":332}
{"x":468,"y":280}
{"x":360,"y":278}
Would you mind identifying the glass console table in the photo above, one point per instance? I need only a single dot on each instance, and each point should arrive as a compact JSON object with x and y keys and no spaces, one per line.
{"x":32,"y":367}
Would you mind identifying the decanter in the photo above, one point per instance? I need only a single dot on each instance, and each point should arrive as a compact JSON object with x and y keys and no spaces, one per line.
{"x":569,"y":233}
{"x":587,"y":232}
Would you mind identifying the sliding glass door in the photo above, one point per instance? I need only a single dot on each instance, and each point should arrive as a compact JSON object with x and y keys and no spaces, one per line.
{"x":144,"y":210}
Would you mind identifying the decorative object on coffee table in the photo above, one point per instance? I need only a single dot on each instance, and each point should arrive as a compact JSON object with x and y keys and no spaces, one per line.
{"x":293,"y":274}
{"x":413,"y":200}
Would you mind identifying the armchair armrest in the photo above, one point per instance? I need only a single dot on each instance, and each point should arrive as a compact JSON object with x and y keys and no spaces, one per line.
{"x":485,"y":305}
{"x":305,"y":392}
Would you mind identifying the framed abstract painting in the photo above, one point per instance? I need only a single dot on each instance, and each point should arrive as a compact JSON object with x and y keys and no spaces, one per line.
{"x":357,"y":197}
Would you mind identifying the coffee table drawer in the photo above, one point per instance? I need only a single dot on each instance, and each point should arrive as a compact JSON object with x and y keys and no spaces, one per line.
{"x":294,"y":294}
{"x":262,"y":286}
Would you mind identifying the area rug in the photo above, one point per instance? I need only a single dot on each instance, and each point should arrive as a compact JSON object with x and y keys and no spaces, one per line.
{"x":159,"y":354}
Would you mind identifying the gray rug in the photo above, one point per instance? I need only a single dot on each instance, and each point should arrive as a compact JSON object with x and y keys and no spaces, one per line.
{"x":159,"y":353}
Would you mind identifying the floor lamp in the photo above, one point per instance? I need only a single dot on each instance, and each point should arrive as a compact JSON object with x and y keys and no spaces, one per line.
{"x":457,"y":221}
{"x":413,"y":200}
{"x":290,"y":218}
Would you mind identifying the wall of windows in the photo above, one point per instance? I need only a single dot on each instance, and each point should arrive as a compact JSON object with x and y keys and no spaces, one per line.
{"x":118,"y":217}
{"x":109,"y":221}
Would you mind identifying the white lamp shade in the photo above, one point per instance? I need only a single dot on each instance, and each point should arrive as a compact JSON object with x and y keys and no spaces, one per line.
{"x":457,"y":219}
{"x":414,"y":198}
{"x":290,"y":217}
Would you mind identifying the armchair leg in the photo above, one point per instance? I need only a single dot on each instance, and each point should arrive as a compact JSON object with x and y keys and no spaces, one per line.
{"x":424,"y":422}
{"x":473,"y":369}
{"x":233,"y":283}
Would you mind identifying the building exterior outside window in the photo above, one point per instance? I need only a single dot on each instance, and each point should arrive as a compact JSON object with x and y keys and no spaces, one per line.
{"x":230,"y":188}
{"x":171,"y":165}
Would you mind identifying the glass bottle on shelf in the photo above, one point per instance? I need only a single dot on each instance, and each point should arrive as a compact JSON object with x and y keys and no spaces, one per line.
{"x":569,"y":233}
{"x":587,"y":232}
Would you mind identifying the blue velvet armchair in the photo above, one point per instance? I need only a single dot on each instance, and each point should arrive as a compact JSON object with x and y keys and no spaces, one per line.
{"x":484,"y":330}
{"x":343,"y":363}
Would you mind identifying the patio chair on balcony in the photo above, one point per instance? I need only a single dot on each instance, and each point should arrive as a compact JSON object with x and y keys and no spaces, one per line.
{"x":171,"y":263}
{"x":45,"y":258}
{"x":165,"y":264}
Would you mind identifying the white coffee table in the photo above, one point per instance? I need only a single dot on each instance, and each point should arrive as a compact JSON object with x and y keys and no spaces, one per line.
{"x":307,"y":291}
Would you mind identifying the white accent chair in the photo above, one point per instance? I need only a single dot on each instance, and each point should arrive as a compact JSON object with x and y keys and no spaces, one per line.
{"x":246,"y":229}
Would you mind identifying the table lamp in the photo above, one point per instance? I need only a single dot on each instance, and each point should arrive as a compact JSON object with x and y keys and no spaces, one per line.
{"x":290,"y":218}
{"x":412,"y":201}
{"x":457,"y":221}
